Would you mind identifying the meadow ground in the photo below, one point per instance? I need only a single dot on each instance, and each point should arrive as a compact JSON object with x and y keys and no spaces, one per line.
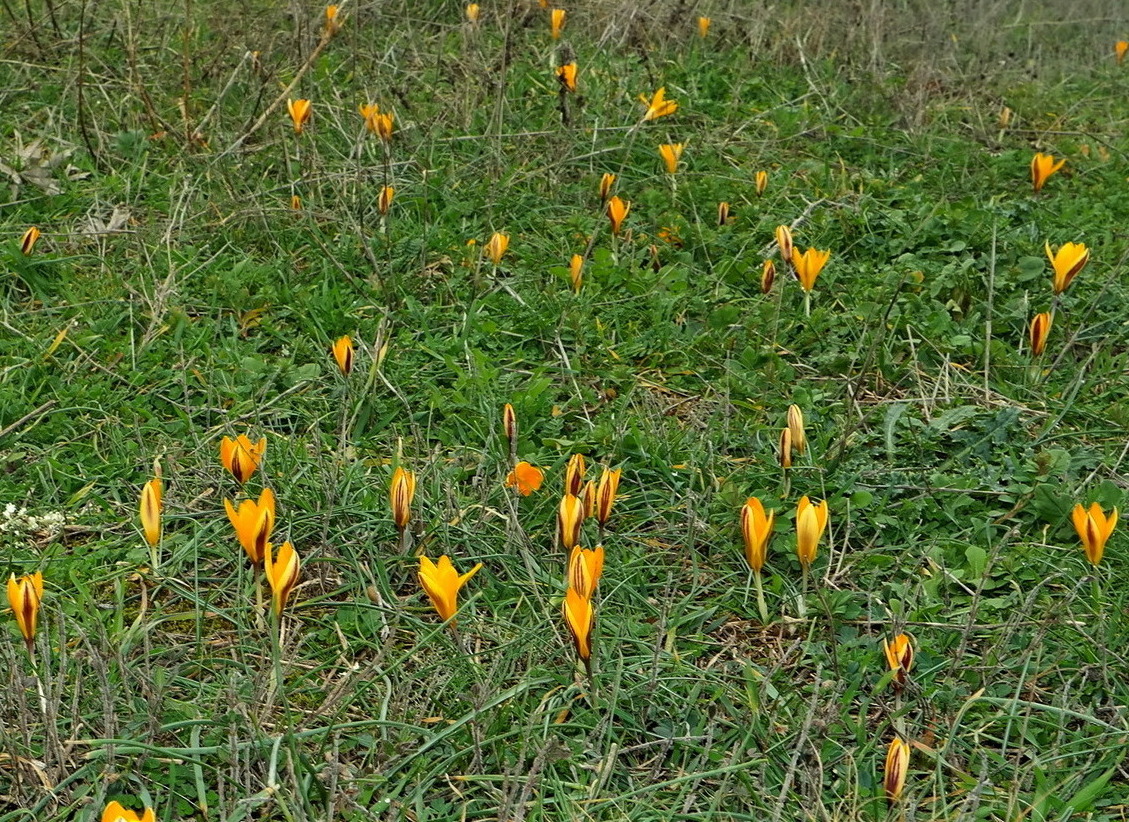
{"x":198,"y":258}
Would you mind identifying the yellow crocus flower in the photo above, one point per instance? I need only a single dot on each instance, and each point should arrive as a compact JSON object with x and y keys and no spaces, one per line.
{"x":811,"y":521}
{"x":441,"y":582}
{"x":1094,"y":529}
{"x":1067,"y":262}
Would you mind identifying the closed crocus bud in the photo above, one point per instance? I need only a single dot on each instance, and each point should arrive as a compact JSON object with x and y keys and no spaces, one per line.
{"x":509,"y":424}
{"x":756,"y":529}
{"x":617,"y":212}
{"x":400,"y":494}
{"x":151,"y":510}
{"x":295,"y":202}
{"x":1120,"y":48}
{"x":1094,"y":529}
{"x":784,"y":453}
{"x":1042,"y":167}
{"x":24,"y":596}
{"x":30,"y":238}
{"x":300,"y":111}
{"x":472,"y":12}
{"x":796,"y":427}
{"x":762,"y":184}
{"x":570,"y":516}
{"x":343,"y":353}
{"x":606,"y":183}
{"x":894,"y":776}
{"x":576,"y":272}
{"x":281,"y":572}
{"x":556,"y":22}
{"x":811,"y":521}
{"x":589,"y":498}
{"x":384,"y":201}
{"x":899,"y":656}
{"x":241,"y":457}
{"x":1040,"y":330}
{"x":496,"y":246}
{"x":1067,"y":262}
{"x":332,"y":20}
{"x":584,"y":569}
{"x":606,"y":493}
{"x":253,"y":522}
{"x":768,"y":276}
{"x":670,"y":153}
{"x":574,"y":475}
{"x":784,"y":242}
{"x":722,"y":213}
{"x":578,"y":615}
{"x":704,"y":26}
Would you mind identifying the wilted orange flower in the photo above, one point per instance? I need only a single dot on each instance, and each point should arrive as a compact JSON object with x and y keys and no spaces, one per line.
{"x":671,"y":153}
{"x":658,"y":106}
{"x":617,"y":212}
{"x":241,"y":457}
{"x":1042,"y":167}
{"x":1040,"y":330}
{"x":556,"y":22}
{"x":525,"y":478}
{"x":567,"y":75}
{"x":299,"y":113}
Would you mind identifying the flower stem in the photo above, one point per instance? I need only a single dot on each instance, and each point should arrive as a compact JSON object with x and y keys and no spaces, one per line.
{"x":762,"y":607}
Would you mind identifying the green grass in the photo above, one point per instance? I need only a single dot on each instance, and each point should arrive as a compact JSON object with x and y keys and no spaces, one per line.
{"x":950,"y":457}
